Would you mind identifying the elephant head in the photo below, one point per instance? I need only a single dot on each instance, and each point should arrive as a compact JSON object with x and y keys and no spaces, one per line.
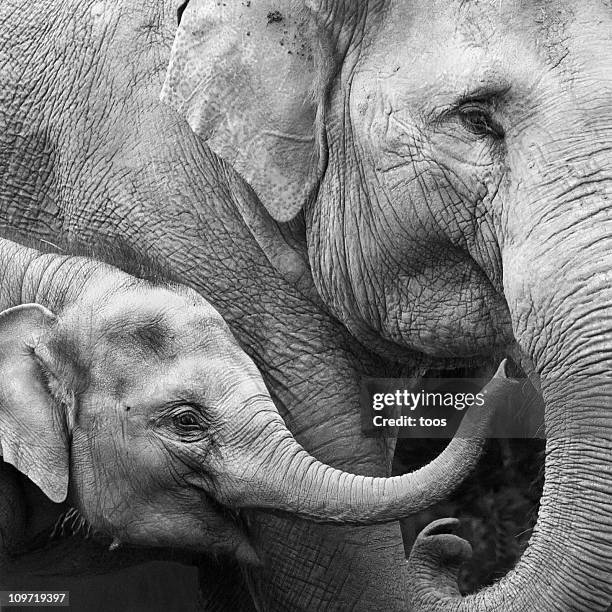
{"x":451,"y":165}
{"x":137,"y":402}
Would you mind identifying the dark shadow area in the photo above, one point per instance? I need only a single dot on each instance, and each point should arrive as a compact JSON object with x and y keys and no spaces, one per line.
{"x":151,"y":587}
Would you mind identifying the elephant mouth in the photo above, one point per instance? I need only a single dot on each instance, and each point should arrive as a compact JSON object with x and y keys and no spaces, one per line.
{"x":67,"y":545}
{"x":71,"y":546}
{"x":68,"y":527}
{"x":235,"y":524}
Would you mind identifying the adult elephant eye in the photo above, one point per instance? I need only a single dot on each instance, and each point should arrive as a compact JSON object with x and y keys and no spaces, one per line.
{"x":479,"y":121}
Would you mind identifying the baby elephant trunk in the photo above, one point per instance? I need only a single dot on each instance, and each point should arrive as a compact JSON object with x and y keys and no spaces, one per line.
{"x":276,"y":472}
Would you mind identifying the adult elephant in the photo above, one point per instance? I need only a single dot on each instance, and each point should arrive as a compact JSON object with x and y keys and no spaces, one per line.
{"x":452,"y":162}
{"x":90,"y":161}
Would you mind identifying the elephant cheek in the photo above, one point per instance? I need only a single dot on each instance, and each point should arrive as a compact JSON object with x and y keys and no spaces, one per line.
{"x":195,"y":526}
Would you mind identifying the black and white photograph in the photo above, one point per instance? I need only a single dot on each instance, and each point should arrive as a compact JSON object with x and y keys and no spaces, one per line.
{"x":306,"y":305}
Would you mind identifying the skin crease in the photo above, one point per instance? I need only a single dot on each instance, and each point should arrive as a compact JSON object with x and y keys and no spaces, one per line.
{"x":464,"y":205}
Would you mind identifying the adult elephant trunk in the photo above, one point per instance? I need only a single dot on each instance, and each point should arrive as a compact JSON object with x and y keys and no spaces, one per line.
{"x":558,"y":287}
{"x":568,"y":564}
{"x":267,"y":468}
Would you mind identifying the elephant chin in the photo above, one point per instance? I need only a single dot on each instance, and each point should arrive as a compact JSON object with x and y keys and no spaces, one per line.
{"x":210,"y":530}
{"x":67,"y":535}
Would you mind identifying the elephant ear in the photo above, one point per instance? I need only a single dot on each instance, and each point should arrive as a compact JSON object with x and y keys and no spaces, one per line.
{"x":33,"y":435}
{"x":243,"y":74}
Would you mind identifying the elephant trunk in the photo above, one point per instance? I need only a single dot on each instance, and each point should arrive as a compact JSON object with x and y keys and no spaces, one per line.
{"x":278,"y":473}
{"x":562,"y":319}
{"x":568,"y":563}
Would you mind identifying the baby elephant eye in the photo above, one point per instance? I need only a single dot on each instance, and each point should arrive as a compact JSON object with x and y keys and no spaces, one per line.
{"x":183,"y":423}
{"x":187,"y":421}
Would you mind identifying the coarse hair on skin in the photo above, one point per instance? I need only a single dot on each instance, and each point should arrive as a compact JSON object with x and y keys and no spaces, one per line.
{"x":70,"y":365}
{"x":111,"y":250}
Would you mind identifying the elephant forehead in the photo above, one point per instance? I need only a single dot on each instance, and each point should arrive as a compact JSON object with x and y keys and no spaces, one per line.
{"x":160,"y":324}
{"x":200,"y":369}
{"x":149,"y":334}
{"x":473,"y":41}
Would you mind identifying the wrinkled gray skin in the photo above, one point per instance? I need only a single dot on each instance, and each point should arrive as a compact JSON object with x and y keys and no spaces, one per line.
{"x":429,"y":232}
{"x":453,"y":163}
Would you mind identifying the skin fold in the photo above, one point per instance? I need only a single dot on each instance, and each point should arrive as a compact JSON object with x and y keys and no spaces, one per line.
{"x":449,"y":164}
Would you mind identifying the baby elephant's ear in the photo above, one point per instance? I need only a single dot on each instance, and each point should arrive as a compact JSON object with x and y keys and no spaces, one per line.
{"x":33,"y":434}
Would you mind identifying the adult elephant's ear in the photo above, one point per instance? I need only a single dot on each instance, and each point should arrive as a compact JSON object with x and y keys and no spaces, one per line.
{"x":244,"y":75}
{"x":33,"y":434}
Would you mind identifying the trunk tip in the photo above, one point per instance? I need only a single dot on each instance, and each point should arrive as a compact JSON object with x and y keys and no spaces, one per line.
{"x":434,"y":564}
{"x":438,"y":542}
{"x":502,"y":370}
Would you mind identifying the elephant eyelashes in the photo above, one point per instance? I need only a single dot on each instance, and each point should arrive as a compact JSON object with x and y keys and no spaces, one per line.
{"x":187,"y":423}
{"x":477,"y":119}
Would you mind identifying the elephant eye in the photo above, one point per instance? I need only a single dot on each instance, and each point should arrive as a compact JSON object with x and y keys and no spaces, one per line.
{"x":183,"y":422}
{"x":478,"y":120}
{"x":187,"y":423}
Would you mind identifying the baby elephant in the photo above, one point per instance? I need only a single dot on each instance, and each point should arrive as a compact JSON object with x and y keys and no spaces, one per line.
{"x":136,"y":402}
